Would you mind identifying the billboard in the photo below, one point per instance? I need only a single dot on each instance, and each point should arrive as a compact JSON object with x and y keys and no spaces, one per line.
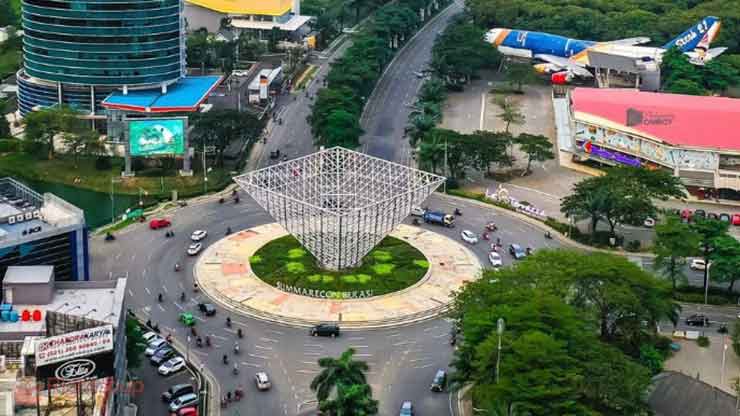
{"x":76,"y":370}
{"x":157,"y":136}
{"x":74,"y":345}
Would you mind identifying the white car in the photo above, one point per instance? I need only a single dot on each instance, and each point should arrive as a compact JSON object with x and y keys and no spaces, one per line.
{"x":469,"y":236}
{"x":149,"y":336}
{"x":194,"y":249}
{"x":649,"y":222}
{"x":495,"y":259}
{"x":154,"y":345}
{"x":417,"y":212}
{"x":172,"y":366}
{"x":698,"y":264}
{"x":262,"y":381}
{"x":199,"y":235}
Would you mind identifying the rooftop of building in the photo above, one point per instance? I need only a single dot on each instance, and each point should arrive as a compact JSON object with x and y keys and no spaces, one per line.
{"x":99,"y":301}
{"x":186,"y":95}
{"x":679,"y":120}
{"x":676,"y":394}
{"x":291,"y":25}
{"x":28,"y":275}
{"x":251,"y":7}
{"x":26,"y":214}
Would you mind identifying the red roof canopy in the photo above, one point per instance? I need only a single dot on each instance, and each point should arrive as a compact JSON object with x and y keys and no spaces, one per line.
{"x":682,"y":120}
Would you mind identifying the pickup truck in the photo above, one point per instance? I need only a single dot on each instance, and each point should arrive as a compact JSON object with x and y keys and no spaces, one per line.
{"x":439,"y":218}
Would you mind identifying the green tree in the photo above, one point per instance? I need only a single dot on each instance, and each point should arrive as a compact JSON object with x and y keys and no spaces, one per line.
{"x":537,"y":147}
{"x":4,"y":126}
{"x":342,"y":129}
{"x":511,"y":112}
{"x":135,"y":344}
{"x":220,"y":128}
{"x":351,"y":400}
{"x":720,"y":75}
{"x":685,"y":86}
{"x":519,"y":73}
{"x":460,"y":52}
{"x":335,"y":371}
{"x":709,"y":232}
{"x":674,"y":242}
{"x":43,"y":125}
{"x":82,"y":140}
{"x":725,"y":259}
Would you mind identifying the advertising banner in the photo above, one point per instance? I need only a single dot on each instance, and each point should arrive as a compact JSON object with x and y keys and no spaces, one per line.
{"x":74,"y":345}
{"x":76,"y":370}
{"x":157,"y":136}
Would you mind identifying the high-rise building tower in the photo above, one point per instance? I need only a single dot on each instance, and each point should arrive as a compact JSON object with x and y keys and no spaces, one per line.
{"x":76,"y":52}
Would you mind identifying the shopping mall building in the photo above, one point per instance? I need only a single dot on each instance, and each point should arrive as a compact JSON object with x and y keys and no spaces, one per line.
{"x":697,"y":138}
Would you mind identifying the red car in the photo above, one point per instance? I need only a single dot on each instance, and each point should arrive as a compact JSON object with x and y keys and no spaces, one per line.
{"x":686,"y":214}
{"x":158,"y":223}
{"x":735,"y":219}
{"x":187,"y":411}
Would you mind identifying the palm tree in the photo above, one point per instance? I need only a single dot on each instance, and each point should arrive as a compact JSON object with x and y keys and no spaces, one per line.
{"x":351,"y":400}
{"x":342,"y":370}
{"x":511,"y":112}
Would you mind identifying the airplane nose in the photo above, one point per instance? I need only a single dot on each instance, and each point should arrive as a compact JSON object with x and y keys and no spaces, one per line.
{"x":492,"y":34}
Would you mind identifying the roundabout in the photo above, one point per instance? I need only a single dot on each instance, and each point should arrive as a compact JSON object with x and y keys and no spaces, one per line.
{"x":225,"y":274}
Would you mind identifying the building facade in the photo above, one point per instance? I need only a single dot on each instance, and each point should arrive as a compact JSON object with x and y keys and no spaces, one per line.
{"x":76,"y":53}
{"x":694,"y":137}
{"x":42,"y":230}
{"x":250,"y":16}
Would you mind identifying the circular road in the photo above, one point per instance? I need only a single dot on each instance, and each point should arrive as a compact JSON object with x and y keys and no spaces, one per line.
{"x":402,"y":360}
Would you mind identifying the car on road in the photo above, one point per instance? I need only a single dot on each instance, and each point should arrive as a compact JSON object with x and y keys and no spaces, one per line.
{"x":149,"y":336}
{"x":198,"y":235}
{"x":407,"y":409}
{"x":735,"y":219}
{"x":469,"y":237}
{"x":158,"y":223}
{"x":325,"y":330}
{"x":187,"y":319}
{"x":495,"y":259}
{"x":176,"y":391}
{"x":194,"y":249}
{"x":439,"y":381}
{"x":698,"y":264}
{"x":186,"y":400}
{"x":724,"y":217}
{"x":649,"y":222}
{"x":162,"y":355}
{"x":417,"y":211}
{"x":262,"y":381}
{"x":171,"y":366}
{"x":154,"y":345}
{"x":700,"y":213}
{"x":686,"y":214}
{"x":419,"y":74}
{"x":712,"y":216}
{"x":187,"y":411}
{"x":207,"y":308}
{"x":517,"y":251}
{"x":697,"y":320}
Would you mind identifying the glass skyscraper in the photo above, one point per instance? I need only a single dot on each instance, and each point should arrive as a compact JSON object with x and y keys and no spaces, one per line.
{"x":77,"y":51}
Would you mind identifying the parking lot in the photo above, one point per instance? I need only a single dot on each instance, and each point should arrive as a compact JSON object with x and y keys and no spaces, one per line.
{"x":148,"y":396}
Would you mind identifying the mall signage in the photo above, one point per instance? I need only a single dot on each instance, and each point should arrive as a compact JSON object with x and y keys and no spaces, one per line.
{"x":325,"y":294}
{"x":74,"y":345}
{"x":76,"y":370}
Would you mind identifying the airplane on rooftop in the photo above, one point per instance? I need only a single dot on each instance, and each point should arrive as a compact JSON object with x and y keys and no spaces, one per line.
{"x":566,"y":58}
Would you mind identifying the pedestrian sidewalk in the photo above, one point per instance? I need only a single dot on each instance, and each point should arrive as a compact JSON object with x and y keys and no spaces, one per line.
{"x":223,"y":272}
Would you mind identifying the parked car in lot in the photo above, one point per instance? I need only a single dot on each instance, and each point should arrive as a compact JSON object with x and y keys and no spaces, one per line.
{"x":697,"y":320}
{"x":698,"y":264}
{"x":194,"y":249}
{"x":712,"y":216}
{"x":207,"y":308}
{"x":262,"y":381}
{"x":162,"y":355}
{"x":407,"y":409}
{"x":149,"y":336}
{"x":699,"y":213}
{"x":469,"y":237}
{"x":517,"y":251}
{"x":176,"y":391}
{"x":735,"y":219}
{"x":171,"y":366}
{"x":440,"y":381}
{"x":686,"y":214}
{"x":155,"y":344}
{"x":158,"y":223}
{"x":198,"y":235}
{"x":724,"y":217}
{"x":495,"y":259}
{"x":186,"y":400}
{"x":325,"y":330}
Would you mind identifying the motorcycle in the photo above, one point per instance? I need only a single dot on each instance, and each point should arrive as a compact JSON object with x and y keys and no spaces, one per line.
{"x":208,"y":341}
{"x":238,"y":394}
{"x":236,"y":369}
{"x":228,"y":230}
{"x":220,"y":200}
{"x":458,"y":212}
{"x":109,"y":237}
{"x":177,"y":267}
{"x":239,"y":333}
{"x":198,"y":342}
{"x":236,"y":200}
{"x":548,"y":235}
{"x":486,"y":236}
{"x":236,"y":349}
{"x":415,"y":221}
{"x":491,"y":227}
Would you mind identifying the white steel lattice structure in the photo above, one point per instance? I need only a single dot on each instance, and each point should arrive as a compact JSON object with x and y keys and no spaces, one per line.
{"x":339,"y":203}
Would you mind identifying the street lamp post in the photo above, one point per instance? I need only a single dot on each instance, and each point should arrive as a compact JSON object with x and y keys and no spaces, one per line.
{"x":187,"y":350}
{"x":500,"y":331}
{"x":706,"y":283}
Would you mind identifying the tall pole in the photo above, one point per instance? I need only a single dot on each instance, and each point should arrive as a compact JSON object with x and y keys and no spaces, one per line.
{"x":724,"y":351}
{"x":205,"y":171}
{"x":706,"y":282}
{"x":500,"y":331}
{"x":112,"y":203}
{"x":187,"y":350}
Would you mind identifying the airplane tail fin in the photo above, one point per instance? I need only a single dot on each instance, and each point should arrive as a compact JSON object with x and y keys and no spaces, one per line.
{"x":699,"y":36}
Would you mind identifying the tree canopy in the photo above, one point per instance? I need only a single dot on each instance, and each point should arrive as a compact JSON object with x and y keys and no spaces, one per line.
{"x":674,"y":242}
{"x":219,"y":128}
{"x":341,"y":387}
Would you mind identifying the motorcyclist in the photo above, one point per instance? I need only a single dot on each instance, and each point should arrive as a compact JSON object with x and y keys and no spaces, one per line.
{"x":226,"y":359}
{"x":159,"y":297}
{"x":228,"y":321}
{"x":228,"y":230}
{"x":236,"y":348}
{"x":198,"y":341}
{"x":177,"y":267}
{"x":182,"y":297}
{"x":239,"y":333}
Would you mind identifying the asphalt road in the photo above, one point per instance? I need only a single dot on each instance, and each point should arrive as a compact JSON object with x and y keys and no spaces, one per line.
{"x":386,"y":113}
{"x":402,"y":360}
{"x":148,"y":394}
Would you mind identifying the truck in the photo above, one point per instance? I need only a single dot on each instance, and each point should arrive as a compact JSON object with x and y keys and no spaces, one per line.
{"x":439,"y":218}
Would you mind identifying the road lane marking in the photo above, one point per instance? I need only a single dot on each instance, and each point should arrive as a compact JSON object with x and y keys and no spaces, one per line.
{"x":358,"y":346}
{"x":398,"y":344}
{"x":430,"y":329}
{"x":244,"y":363}
{"x":240,"y":324}
{"x":422,"y":366}
{"x":363,"y":355}
{"x":440,"y":335}
{"x":199,"y":318}
{"x":162,"y":308}
{"x":268,"y":339}
{"x":219,"y":337}
{"x":309,"y":362}
{"x":229,"y":330}
{"x":311,"y":353}
{"x":178,"y":306}
{"x":394,"y":335}
{"x":313,"y":345}
{"x":130,"y":293}
{"x":165,"y":289}
{"x":147,"y":290}
{"x":307,"y":371}
{"x":260,"y":347}
{"x":275,"y":332}
{"x":259,"y":356}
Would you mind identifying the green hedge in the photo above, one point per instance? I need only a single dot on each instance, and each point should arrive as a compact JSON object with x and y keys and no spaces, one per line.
{"x":10,"y":145}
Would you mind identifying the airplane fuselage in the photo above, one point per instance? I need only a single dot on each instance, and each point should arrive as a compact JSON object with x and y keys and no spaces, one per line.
{"x":527,"y":44}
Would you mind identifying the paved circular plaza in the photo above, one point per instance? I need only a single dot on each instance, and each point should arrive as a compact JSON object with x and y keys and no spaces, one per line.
{"x":223,"y":273}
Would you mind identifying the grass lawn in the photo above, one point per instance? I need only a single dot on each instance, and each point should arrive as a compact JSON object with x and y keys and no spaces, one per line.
{"x":393,"y":265}
{"x":62,"y":170}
